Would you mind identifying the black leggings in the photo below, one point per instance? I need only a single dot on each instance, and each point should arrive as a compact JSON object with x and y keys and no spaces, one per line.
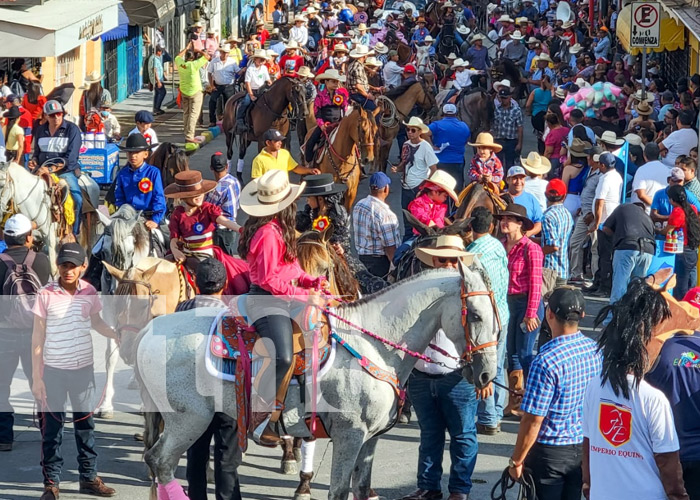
{"x":313,"y":140}
{"x":278,"y":328}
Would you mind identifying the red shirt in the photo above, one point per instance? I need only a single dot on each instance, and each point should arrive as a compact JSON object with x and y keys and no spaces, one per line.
{"x":263,"y":36}
{"x":525,"y":269}
{"x":34,"y":109}
{"x":295,"y":62}
{"x":197,"y":230}
{"x":677,"y":219}
{"x":269,"y":270}
{"x":26,"y":122}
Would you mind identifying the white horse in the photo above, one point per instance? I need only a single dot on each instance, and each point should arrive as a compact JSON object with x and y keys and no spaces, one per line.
{"x":178,"y":390}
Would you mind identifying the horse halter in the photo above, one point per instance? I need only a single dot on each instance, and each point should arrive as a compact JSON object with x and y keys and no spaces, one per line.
{"x":472,"y":347}
{"x":359,"y":131}
{"x":151,"y":298}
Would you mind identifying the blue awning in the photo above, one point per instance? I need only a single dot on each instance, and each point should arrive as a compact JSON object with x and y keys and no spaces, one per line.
{"x":121,"y":31}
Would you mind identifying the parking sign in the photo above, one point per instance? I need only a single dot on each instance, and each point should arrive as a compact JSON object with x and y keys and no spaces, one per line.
{"x":646,"y":24}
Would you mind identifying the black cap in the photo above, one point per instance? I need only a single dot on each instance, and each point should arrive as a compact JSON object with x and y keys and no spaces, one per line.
{"x":567,"y":303}
{"x":211,"y":276}
{"x":273,"y":135}
{"x":504,"y":92}
{"x":218,"y":162}
{"x":73,"y":253}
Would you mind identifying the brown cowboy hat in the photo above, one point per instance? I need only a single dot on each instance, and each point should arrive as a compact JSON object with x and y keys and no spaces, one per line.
{"x":188,"y":184}
{"x":519,"y":212}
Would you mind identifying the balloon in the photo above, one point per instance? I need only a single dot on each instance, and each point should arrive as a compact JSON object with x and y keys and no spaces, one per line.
{"x":598,"y":98}
{"x":590,"y":113}
{"x":581,"y":105}
{"x":598,"y":86}
{"x":615,"y":90}
{"x":571,"y":102}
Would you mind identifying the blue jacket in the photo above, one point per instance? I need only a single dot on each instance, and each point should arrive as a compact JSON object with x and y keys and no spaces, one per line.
{"x":65,"y":143}
{"x":146,"y":196}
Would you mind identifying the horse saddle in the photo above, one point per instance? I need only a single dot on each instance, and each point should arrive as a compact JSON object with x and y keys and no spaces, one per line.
{"x":320,"y":146}
{"x":492,"y":190}
{"x":62,"y":205}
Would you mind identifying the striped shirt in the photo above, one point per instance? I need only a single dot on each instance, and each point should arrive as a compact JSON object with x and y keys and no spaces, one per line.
{"x":68,"y":343}
{"x":493,"y":257}
{"x":557,"y":225}
{"x":525,"y":267}
{"x":556,"y":385}
{"x":375,"y":227}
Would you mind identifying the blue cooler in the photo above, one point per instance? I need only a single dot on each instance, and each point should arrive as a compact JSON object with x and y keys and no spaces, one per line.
{"x":102,"y":164}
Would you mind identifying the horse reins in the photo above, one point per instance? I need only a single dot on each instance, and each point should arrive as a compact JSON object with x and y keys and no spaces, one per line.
{"x":471,"y":346}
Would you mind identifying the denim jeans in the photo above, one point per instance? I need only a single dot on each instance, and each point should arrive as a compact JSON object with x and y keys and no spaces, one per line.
{"x":444,"y":403}
{"x":14,"y":346}
{"x":508,"y":155}
{"x":691,"y":478}
{"x":242,"y":107}
{"x":686,"y":270}
{"x":225,"y":91}
{"x":522,"y":345}
{"x":556,"y":471}
{"x":627,"y":264}
{"x":79,"y":385}
{"x":605,"y":255}
{"x":490,"y":410}
{"x":366,"y":104}
{"x":407,"y":196}
{"x":77,"y":195}
{"x":158,"y":96}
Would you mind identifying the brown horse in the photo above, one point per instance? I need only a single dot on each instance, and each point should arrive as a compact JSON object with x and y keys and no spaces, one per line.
{"x":475,"y":108}
{"x":170,"y":159}
{"x":402,"y":102}
{"x":269,"y":109}
{"x":478,"y":194}
{"x":349,"y":146}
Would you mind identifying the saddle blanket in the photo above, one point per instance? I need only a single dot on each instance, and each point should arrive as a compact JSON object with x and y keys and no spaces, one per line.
{"x":223,"y":352}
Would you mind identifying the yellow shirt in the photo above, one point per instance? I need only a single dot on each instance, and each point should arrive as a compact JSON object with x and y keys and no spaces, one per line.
{"x":265,"y":162}
{"x":15,"y":138}
{"x":190,"y":80}
{"x":236,"y":55}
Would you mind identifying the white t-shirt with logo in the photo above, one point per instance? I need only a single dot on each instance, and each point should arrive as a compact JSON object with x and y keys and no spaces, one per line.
{"x":420,"y":158}
{"x":650,"y":178}
{"x":609,"y":190}
{"x":623,"y":437}
{"x":256,"y":76}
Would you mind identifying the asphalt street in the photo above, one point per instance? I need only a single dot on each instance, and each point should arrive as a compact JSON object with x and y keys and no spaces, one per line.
{"x":120,"y":462}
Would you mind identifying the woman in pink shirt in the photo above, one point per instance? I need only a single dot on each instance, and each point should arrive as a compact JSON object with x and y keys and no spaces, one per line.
{"x":279,"y":287}
{"x":525,"y":260}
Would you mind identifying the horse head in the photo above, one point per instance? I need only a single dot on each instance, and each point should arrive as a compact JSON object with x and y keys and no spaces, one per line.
{"x":426,"y":99}
{"x":364,"y":134}
{"x":176,"y":160}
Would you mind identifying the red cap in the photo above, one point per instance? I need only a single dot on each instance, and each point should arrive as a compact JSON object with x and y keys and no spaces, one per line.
{"x":556,"y":187}
{"x":409,"y":68}
{"x":693,"y":297}
{"x":602,"y":60}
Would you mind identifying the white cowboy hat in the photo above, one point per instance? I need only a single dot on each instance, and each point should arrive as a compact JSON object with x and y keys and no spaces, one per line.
{"x":485,"y":139}
{"x":452,"y":56}
{"x":311,"y":10}
{"x":463,"y":30}
{"x":330,"y":74}
{"x":418,"y":123}
{"x":532,"y":40}
{"x":305,"y":71}
{"x":582,"y":84}
{"x":575,"y":48}
{"x":543,"y":57}
{"x":269,"y":194}
{"x":490,"y":8}
{"x":292,"y":45}
{"x":340,"y":47}
{"x":373,"y":61}
{"x":448,"y":245}
{"x":502,"y":83}
{"x":374,"y":26}
{"x":567,"y":24}
{"x":380,"y":48}
{"x":299,"y":19}
{"x":560,"y":93}
{"x":638,"y":96}
{"x":634,"y":139}
{"x":516,"y":35}
{"x":361,"y":51}
{"x":505,"y":18}
{"x":271,"y":54}
{"x":428,"y":39}
{"x":225,"y":48}
{"x":361,"y":27}
{"x":448,"y":4}
{"x":259,"y":23}
{"x":536,"y":164}
{"x":520,"y":20}
{"x":446,"y":182}
{"x":459,"y":63}
{"x":609,"y":137}
{"x":93,"y":77}
{"x":478,"y":36}
{"x":198,"y":24}
{"x":260,"y":54}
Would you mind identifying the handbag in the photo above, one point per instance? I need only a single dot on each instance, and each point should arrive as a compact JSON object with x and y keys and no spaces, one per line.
{"x":549,"y":276}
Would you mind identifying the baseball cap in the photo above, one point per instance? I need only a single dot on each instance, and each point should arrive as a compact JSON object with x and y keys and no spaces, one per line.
{"x":608,"y":159}
{"x":566,"y":72}
{"x":556,"y":188}
{"x":71,"y":253}
{"x":677,"y":174}
{"x":409,"y":68}
{"x":449,"y":109}
{"x":273,"y":135}
{"x":18,"y":225}
{"x":392,"y":53}
{"x":12,"y":98}
{"x":52,"y":107}
{"x":217,"y":162}
{"x":210,"y":276}
{"x":516,"y":170}
{"x":692,"y":297}
{"x":143,"y":116}
{"x":504,"y":92}
{"x":379,"y":180}
{"x":567,"y":303}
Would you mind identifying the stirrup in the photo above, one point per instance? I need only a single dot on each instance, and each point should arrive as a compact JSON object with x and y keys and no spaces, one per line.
{"x":263,"y":435}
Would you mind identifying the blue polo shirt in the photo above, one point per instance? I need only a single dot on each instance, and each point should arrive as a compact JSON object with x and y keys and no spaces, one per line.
{"x":142,"y":189}
{"x":534,"y":210}
{"x":663,"y":206}
{"x":677,"y":375}
{"x":453,"y":131}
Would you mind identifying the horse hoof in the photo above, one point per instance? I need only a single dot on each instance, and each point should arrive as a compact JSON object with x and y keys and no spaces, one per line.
{"x":289,"y":467}
{"x":297,"y":454}
{"x":105,"y":414}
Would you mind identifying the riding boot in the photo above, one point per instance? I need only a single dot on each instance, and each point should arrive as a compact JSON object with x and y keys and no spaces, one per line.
{"x":265,"y":434}
{"x":515,"y":383}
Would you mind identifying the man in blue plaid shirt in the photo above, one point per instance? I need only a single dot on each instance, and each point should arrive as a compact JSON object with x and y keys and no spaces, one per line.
{"x":550,"y":438}
{"x":557,"y":226}
{"x":225,"y":195}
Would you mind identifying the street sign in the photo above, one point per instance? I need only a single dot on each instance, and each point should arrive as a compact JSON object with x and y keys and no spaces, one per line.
{"x":646,"y":24}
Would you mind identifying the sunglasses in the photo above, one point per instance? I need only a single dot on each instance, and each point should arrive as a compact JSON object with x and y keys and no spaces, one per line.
{"x":445,"y":260}
{"x":413,"y":130}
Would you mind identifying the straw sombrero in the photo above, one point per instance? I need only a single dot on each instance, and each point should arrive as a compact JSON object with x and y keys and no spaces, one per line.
{"x":485,"y":140}
{"x":361,"y":51}
{"x":536,"y":164}
{"x":330,"y":74}
{"x":269,"y":194}
{"x":188,"y":184}
{"x":448,"y":245}
{"x":418,"y":123}
{"x":445,"y":181}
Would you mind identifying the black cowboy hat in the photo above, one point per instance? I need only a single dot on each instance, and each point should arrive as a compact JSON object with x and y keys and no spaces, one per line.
{"x":322,"y":185}
{"x":519,"y":212}
{"x":136,"y":142}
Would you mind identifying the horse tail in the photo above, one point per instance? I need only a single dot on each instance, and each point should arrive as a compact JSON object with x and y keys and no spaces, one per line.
{"x":152,"y":428}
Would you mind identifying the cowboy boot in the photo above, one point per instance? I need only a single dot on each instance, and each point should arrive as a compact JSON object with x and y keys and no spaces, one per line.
{"x":515,"y":383}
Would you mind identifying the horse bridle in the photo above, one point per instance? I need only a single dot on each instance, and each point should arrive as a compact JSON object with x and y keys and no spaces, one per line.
{"x":151,"y":297}
{"x":471,"y":347}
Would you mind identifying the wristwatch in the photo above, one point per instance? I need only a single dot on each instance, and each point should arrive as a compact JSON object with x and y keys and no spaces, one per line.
{"x":513,"y":464}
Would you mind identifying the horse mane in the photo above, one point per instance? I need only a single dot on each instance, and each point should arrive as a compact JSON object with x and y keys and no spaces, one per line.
{"x":310,"y":247}
{"x":125,"y":224}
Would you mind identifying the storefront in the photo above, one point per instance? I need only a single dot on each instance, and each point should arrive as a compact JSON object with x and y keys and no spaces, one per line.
{"x":68,"y":46}
{"x":690,"y":18}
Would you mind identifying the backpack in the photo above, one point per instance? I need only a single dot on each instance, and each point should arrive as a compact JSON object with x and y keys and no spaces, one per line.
{"x":22,"y":282}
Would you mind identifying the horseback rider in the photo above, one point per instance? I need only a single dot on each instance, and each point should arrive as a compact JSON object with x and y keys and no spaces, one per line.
{"x":256,"y":76}
{"x":357,"y":81}
{"x":291,"y":61}
{"x":420,"y":33}
{"x":329,"y":107}
{"x":268,"y":244}
{"x":60,"y":139}
{"x":140,"y":184}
